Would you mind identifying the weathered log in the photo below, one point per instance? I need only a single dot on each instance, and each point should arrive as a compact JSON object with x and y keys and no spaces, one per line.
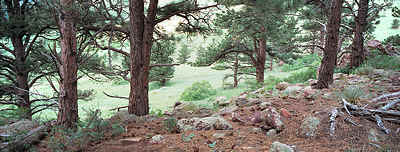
{"x":379,"y":122}
{"x":386,"y":96}
{"x":392,"y":120}
{"x":351,"y":121}
{"x":390,"y":104}
{"x":332,"y":120}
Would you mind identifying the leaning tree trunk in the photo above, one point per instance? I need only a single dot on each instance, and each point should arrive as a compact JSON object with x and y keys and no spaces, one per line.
{"x":68,"y":97}
{"x":326,"y":70}
{"x":22,"y":74}
{"x":358,"y":50}
{"x":141,"y":38}
{"x":260,"y":64}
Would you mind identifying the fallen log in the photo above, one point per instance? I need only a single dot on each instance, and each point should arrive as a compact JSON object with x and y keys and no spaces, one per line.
{"x":395,"y":94}
{"x":351,"y":121}
{"x":390,"y":104}
{"x":332,"y":120}
{"x":379,"y":122}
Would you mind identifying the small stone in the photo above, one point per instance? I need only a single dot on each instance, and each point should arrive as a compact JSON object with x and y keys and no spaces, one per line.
{"x":271,"y":133}
{"x":309,"y":127}
{"x":219,"y":135}
{"x":256,"y":130}
{"x":285,"y":113}
{"x":157,"y":139}
{"x":282,"y":85}
{"x":131,"y":140}
{"x":264,"y":105}
{"x":279,"y":147}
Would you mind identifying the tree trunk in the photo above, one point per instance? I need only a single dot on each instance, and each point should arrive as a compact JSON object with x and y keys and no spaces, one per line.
{"x":260,"y":65}
{"x":141,"y":41}
{"x":358,"y":51}
{"x":235,"y":71}
{"x":330,"y":52}
{"x":22,"y":74}
{"x":68,"y":97}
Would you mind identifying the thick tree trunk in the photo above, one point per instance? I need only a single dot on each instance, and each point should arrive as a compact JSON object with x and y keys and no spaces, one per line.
{"x":141,"y":41}
{"x":68,"y":97}
{"x":261,"y":56}
{"x":22,"y":74}
{"x":358,"y":50}
{"x":326,"y":69}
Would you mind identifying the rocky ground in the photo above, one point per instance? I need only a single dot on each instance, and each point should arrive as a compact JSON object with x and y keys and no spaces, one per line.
{"x":292,"y":117}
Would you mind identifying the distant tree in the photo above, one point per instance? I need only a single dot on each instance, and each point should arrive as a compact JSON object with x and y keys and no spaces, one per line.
{"x":395,"y":24}
{"x":327,"y":67}
{"x":161,"y":54}
{"x":184,"y":54}
{"x":358,"y":49}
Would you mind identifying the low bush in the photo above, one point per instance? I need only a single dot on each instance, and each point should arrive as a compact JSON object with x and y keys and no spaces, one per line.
{"x":86,"y":94}
{"x":384,"y":62}
{"x":311,"y":60}
{"x":352,"y":94}
{"x":302,"y":75}
{"x":364,"y":70}
{"x":198,"y":91}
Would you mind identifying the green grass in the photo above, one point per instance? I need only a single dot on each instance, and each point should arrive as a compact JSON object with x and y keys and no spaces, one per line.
{"x":384,"y":29}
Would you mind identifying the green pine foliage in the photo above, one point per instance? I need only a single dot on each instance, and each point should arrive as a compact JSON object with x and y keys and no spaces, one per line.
{"x":198,"y":91}
{"x":162,"y":54}
{"x":395,"y":24}
{"x":184,"y":54}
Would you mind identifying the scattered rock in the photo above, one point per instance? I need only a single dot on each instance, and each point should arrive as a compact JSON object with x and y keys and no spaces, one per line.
{"x":124,"y":116}
{"x":285,"y":113}
{"x":219,"y":135}
{"x":309,"y":93}
{"x":279,"y":147}
{"x":227,"y":110}
{"x":273,"y":118}
{"x":239,"y":101}
{"x":375,"y":136}
{"x":157,"y":139}
{"x":312,"y":82}
{"x":271,"y":133}
{"x":292,"y":90}
{"x":18,"y":127}
{"x":222,"y":101}
{"x":207,"y":123}
{"x":130,"y":140}
{"x":256,"y":130}
{"x":309,"y":127}
{"x":282,"y":85}
{"x":264,"y":105}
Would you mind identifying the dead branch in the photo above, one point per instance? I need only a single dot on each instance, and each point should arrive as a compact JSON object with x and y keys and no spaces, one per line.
{"x":332,"y":120}
{"x":390,"y":104}
{"x":118,"y":97}
{"x":385,"y":96}
{"x":379,"y":122}
{"x":118,"y":108}
{"x":351,"y":121}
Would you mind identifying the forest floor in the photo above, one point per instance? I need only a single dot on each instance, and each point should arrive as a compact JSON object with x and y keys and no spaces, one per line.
{"x":244,"y":136}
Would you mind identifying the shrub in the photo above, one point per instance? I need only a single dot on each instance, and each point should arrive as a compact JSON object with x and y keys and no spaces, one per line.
{"x":120,"y":81}
{"x":395,"y":24}
{"x":252,"y":84}
{"x":170,"y":125}
{"x":271,"y":82}
{"x":311,"y":60}
{"x":302,"y":75}
{"x":345,"y":70}
{"x":384,"y":62}
{"x":198,"y":91}
{"x":364,"y":70}
{"x":352,"y":94}
{"x":86,"y":94}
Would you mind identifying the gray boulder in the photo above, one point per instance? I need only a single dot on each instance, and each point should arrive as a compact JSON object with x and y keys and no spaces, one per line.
{"x":207,"y":123}
{"x":273,"y":118}
{"x":281,"y":85}
{"x":279,"y":147}
{"x":309,"y":127}
{"x":157,"y":139}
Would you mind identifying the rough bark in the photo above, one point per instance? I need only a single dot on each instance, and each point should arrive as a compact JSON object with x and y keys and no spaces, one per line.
{"x":358,"y":50}
{"x":141,"y":40}
{"x":68,"y":97}
{"x":326,"y":69}
{"x":260,"y":64}
{"x":22,"y":73}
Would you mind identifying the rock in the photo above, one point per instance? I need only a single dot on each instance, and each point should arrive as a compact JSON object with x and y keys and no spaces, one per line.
{"x":292,"y":90}
{"x":376,"y":44}
{"x":124,"y":116}
{"x":157,"y":139}
{"x":127,"y":141}
{"x":207,"y":123}
{"x":282,"y":85}
{"x":271,"y":132}
{"x":309,"y":127}
{"x":259,"y":91}
{"x":309,"y":93}
{"x":227,"y":110}
{"x":256,"y":130}
{"x":279,"y":147}
{"x":312,"y":82}
{"x":339,"y":76}
{"x":222,"y":101}
{"x":219,"y":135}
{"x":264,"y":105}
{"x":18,"y":127}
{"x":253,"y":101}
{"x":285,"y":113}
{"x":375,"y":136}
{"x":273,"y":118}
